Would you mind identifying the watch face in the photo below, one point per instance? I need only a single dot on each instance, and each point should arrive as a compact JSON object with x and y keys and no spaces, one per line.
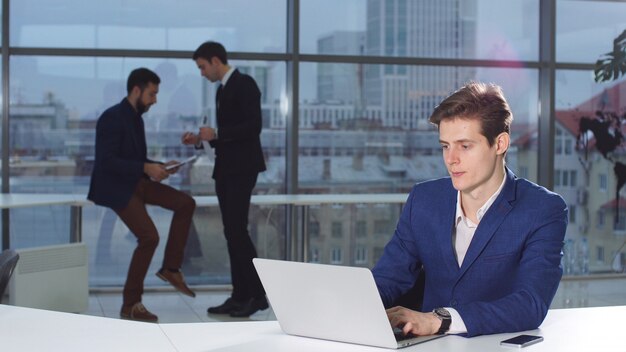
{"x":442,"y":312}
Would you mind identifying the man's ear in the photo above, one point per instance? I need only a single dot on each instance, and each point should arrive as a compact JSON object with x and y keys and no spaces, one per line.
{"x":214,"y":61}
{"x":502,"y":143}
{"x":135,"y":92}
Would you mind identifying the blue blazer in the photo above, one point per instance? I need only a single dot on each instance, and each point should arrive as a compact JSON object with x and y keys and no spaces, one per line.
{"x":511,"y":270}
{"x":120,"y":155}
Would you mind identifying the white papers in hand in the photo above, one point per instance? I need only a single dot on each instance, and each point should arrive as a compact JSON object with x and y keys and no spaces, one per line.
{"x":206,"y":146}
{"x":189,"y":159}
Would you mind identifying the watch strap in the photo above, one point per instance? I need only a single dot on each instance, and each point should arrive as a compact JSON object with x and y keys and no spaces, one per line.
{"x":445,"y":318}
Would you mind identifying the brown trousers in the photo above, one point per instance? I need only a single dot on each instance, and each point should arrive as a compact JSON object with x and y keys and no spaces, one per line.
{"x":136,"y":218}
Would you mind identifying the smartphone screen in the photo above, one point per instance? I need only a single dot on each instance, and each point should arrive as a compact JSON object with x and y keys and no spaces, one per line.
{"x":521,"y":340}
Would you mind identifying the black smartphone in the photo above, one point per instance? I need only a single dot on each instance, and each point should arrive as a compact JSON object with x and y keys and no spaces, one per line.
{"x":521,"y":341}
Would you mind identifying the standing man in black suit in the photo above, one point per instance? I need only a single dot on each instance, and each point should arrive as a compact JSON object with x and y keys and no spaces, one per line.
{"x":125,"y":180}
{"x":238,"y":161}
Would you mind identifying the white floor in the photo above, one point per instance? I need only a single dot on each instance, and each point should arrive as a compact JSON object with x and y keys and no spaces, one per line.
{"x":172,"y":307}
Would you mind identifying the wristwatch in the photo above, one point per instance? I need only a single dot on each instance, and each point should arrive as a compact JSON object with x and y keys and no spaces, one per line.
{"x":445,"y":318}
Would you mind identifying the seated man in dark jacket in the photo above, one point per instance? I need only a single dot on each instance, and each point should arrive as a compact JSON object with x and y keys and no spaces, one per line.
{"x":125,"y":180}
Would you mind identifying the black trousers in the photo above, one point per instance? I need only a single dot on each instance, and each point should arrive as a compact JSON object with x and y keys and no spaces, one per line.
{"x":233,"y":195}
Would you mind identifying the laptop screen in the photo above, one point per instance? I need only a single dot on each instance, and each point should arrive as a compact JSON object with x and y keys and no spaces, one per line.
{"x":329,"y":302}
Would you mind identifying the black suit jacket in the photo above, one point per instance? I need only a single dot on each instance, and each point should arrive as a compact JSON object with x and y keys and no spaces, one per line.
{"x":238,"y":145}
{"x":120,"y":156}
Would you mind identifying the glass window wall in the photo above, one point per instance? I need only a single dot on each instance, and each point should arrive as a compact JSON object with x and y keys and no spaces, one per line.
{"x":474,"y":29}
{"x":590,"y":116}
{"x":370,"y":73}
{"x":56,"y":101}
{"x":362,"y":130}
{"x":255,"y":26}
{"x":586,"y":29}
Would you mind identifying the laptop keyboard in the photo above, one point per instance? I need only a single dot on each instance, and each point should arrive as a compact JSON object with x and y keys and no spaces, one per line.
{"x":400,"y":336}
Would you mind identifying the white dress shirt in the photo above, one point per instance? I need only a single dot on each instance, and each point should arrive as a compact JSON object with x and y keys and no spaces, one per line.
{"x":227,"y":75}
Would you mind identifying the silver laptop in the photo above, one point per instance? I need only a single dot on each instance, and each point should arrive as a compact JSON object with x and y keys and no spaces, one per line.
{"x":329,"y":302}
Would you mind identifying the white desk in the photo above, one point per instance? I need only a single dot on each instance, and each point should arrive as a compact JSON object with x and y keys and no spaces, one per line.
{"x":26,"y":329}
{"x":579,"y":329}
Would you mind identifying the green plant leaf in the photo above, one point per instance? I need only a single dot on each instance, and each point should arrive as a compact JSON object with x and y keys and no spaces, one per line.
{"x":610,"y":66}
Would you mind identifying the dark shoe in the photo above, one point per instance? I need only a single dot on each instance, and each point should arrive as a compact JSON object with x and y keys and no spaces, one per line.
{"x":176,"y":279}
{"x":227,"y":307}
{"x":138,"y":312}
{"x":250,"y":307}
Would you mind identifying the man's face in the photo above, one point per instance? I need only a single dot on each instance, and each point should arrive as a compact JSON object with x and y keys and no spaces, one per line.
{"x":147,"y":98}
{"x":208,"y":69}
{"x":470,"y":161}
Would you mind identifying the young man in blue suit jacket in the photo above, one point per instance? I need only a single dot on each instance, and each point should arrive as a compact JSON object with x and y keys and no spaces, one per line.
{"x":125,"y":180}
{"x":488,"y":243}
